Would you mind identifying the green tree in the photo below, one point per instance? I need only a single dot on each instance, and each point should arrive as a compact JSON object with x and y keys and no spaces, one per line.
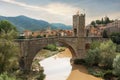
{"x":105,"y":35}
{"x":94,"y":45}
{"x":93,"y":57}
{"x":8,"y":55}
{"x":51,"y":47}
{"x":39,"y":36}
{"x":106,"y":20}
{"x":5,"y":76}
{"x":118,"y":48}
{"x":108,"y":50}
{"x":8,"y":48}
{"x":115,"y":37}
{"x":6,"y":26}
{"x":93,"y":54}
{"x":102,"y":21}
{"x":93,"y":23}
{"x":98,"y":22}
{"x":116,"y":65}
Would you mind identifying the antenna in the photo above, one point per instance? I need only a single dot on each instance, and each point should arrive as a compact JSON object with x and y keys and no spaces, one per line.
{"x":84,"y":11}
{"x":78,"y":12}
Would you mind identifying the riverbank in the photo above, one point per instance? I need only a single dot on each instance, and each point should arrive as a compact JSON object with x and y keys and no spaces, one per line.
{"x":78,"y":72}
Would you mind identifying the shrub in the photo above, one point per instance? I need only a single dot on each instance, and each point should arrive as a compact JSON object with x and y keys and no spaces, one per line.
{"x":108,"y":75}
{"x":115,"y":37}
{"x":21,"y":37}
{"x":41,"y":76}
{"x":94,"y":45}
{"x":51,"y":47}
{"x":5,"y":76}
{"x":116,"y":65}
{"x":79,"y":61}
{"x":95,"y":73}
{"x":108,"y":50}
{"x":92,"y":57}
{"x":118,"y":48}
{"x":39,"y":36}
{"x":105,"y":35}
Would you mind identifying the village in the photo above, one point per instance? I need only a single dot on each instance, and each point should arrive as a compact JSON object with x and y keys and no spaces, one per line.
{"x":90,"y":31}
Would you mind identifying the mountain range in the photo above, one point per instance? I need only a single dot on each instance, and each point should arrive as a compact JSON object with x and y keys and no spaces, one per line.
{"x":26,"y":23}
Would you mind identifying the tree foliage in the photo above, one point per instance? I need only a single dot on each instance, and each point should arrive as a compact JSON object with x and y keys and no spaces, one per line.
{"x":93,"y":54}
{"x":116,"y":65}
{"x":101,"y":53}
{"x":8,"y":48}
{"x":92,"y":57}
{"x":51,"y":47}
{"x":6,"y":26}
{"x":105,"y":35}
{"x":5,"y":76}
{"x":115,"y":37}
{"x":108,"y":50}
{"x":103,"y":21}
{"x":8,"y":55}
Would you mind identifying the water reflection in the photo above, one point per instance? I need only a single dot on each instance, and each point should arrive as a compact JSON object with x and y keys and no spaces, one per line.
{"x":56,"y":68}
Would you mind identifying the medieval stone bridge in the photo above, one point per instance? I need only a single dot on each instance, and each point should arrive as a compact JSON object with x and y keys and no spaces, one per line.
{"x":30,"y":47}
{"x":76,"y":43}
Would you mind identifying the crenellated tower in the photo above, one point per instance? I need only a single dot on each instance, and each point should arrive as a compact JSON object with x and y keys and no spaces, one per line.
{"x":79,"y":24}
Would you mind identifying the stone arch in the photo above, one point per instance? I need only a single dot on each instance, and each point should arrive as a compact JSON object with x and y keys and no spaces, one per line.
{"x":33,"y":52}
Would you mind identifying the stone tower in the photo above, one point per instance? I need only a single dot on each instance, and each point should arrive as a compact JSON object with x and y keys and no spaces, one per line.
{"x":79,"y":31}
{"x":79,"y":24}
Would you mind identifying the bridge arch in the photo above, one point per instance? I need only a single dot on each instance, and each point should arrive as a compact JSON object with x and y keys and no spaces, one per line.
{"x":32,"y":47}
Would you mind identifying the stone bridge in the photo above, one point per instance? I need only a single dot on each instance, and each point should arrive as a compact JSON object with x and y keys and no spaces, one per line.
{"x":30,"y":47}
{"x":77,"y":44}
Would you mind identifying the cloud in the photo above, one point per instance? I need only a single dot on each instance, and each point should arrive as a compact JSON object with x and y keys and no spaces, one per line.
{"x":61,"y":9}
{"x":22,"y":4}
{"x":53,"y":8}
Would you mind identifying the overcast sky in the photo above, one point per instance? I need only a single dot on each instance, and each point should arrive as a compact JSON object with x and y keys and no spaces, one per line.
{"x":61,"y":11}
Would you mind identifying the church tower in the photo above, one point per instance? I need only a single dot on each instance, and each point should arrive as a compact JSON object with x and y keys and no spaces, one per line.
{"x":79,"y":25}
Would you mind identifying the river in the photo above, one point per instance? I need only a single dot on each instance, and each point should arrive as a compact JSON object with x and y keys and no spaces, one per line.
{"x":58,"y":67}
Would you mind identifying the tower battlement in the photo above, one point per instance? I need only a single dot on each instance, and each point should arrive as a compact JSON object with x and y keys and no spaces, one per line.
{"x":78,"y":24}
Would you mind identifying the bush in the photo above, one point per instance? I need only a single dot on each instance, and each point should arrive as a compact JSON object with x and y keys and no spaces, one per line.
{"x":21,"y":37}
{"x":92,"y":57}
{"x":105,"y":35}
{"x":118,"y":48}
{"x":108,"y":50}
{"x":108,"y":75}
{"x":39,"y":36}
{"x":115,"y":37}
{"x":41,"y":76}
{"x":79,"y":61}
{"x":5,"y":76}
{"x":95,"y":73}
{"x":94,"y":45}
{"x":116,"y":65}
{"x":51,"y":47}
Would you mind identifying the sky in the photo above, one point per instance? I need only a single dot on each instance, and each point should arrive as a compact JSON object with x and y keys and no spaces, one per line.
{"x":61,"y":11}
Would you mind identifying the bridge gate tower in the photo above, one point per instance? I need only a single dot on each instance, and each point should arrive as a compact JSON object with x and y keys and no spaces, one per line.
{"x":79,"y":32}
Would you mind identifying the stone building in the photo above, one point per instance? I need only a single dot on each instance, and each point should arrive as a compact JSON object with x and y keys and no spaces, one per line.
{"x":27,"y":33}
{"x":113,"y":27}
{"x":79,"y":31}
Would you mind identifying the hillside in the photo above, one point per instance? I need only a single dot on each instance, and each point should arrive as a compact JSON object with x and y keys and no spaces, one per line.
{"x":23,"y":23}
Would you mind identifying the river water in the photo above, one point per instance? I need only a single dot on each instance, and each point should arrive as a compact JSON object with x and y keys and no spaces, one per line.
{"x":58,"y":67}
